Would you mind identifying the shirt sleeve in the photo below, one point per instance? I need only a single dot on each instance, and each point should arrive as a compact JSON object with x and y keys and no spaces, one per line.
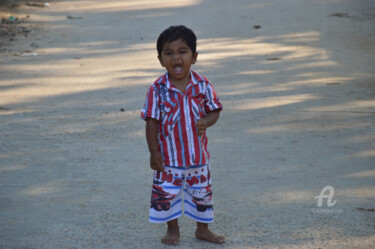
{"x":211,"y":99}
{"x":151,"y":106}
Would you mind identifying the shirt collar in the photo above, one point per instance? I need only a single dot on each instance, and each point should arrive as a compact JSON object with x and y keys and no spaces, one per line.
{"x":195,"y":79}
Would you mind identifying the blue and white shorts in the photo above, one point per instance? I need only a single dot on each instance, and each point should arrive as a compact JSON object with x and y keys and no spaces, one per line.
{"x":167,"y":194}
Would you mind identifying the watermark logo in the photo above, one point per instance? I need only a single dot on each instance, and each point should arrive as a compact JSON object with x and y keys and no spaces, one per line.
{"x":326,"y":193}
{"x":329,"y":196}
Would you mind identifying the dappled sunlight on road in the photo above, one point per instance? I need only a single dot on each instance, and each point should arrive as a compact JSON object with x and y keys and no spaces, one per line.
{"x":128,"y":5}
{"x":365,"y":106}
{"x":302,"y":196}
{"x":360,"y":192}
{"x":315,"y":79}
{"x":367,"y":173}
{"x":97,"y":65}
{"x":12,"y":167}
{"x":308,"y":122}
{"x":293,"y":196}
{"x":269,"y":102}
{"x":79,"y":70}
{"x":365,"y":154}
{"x":221,"y":48}
{"x":42,"y":190}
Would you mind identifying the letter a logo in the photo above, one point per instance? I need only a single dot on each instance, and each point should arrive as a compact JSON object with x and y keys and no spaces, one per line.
{"x":328,"y":196}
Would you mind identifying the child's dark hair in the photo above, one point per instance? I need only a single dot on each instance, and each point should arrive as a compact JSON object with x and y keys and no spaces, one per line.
{"x":174,"y":33}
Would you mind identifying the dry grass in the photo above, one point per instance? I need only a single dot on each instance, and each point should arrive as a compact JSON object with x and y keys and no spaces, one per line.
{"x":10,"y":4}
{"x":8,"y":28}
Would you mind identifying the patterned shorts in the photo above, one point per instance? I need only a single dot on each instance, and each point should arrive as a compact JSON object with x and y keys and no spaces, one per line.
{"x":192,"y":185}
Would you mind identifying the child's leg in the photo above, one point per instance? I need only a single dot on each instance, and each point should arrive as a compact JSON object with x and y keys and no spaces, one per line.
{"x":166,"y":202}
{"x":173,"y":233}
{"x":166,"y":196}
{"x":204,"y":233}
{"x":198,"y":200}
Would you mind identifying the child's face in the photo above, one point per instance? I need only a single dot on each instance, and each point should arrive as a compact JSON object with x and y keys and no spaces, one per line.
{"x":177,"y":58}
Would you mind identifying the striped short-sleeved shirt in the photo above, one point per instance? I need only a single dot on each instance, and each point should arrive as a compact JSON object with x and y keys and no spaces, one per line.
{"x":177,"y":114}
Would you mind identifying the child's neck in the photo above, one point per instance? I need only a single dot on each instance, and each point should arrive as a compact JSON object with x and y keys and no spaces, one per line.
{"x":181,"y":84}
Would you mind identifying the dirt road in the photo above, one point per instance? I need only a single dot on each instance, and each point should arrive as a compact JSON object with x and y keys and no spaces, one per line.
{"x":296,"y":79}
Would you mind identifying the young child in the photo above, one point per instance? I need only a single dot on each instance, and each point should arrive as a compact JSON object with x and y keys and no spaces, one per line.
{"x":179,"y":107}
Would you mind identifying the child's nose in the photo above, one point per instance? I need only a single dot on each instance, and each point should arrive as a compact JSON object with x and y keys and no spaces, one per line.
{"x":175,"y":56}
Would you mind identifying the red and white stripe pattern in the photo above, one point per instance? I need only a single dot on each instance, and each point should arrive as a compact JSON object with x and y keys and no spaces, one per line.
{"x":177,"y":114}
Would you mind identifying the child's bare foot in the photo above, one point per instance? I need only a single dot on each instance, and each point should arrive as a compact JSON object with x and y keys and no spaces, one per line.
{"x":204,"y":233}
{"x":173,"y":234}
{"x":171,"y":238}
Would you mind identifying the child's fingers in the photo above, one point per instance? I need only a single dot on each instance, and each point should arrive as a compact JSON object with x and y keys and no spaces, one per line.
{"x":161,"y":163}
{"x":158,"y":167}
{"x":200,"y":132}
{"x":201,"y":126}
{"x":199,"y":122}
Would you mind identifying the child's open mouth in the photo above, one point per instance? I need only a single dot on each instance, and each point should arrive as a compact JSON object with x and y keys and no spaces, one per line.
{"x":177,"y":69}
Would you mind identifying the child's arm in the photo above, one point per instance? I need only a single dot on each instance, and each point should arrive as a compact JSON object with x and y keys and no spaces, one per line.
{"x":156,"y":158}
{"x":203,"y":123}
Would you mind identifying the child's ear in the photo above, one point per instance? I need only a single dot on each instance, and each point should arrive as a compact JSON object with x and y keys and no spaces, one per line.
{"x":195,"y":57}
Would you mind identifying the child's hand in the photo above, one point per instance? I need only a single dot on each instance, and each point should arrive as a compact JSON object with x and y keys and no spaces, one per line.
{"x":201,"y":125}
{"x":156,"y":161}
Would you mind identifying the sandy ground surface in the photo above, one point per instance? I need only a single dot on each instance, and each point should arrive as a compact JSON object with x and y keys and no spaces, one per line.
{"x":299,"y":115}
